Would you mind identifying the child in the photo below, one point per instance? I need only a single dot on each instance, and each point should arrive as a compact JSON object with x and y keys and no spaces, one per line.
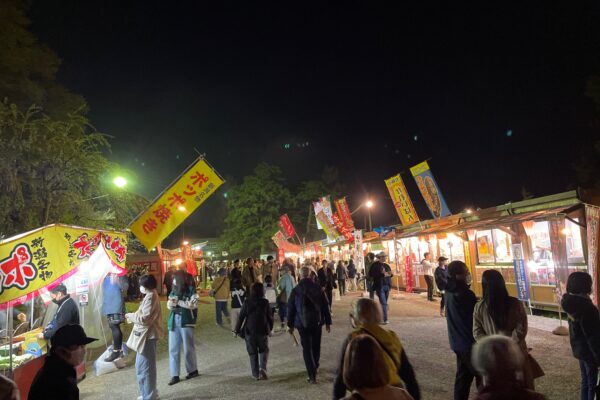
{"x":271,"y":294}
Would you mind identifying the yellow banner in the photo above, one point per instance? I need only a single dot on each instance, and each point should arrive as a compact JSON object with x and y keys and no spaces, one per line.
{"x":402,"y":202}
{"x":45,"y":257}
{"x":176,"y":203}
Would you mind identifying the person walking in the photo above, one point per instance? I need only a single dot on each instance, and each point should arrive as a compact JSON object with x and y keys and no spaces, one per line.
{"x":500,"y":361}
{"x":369,"y":260}
{"x":326,"y":282}
{"x":183,"y":306}
{"x":441,"y":280}
{"x":308,"y":311}
{"x":238,"y":296}
{"x":366,"y":372}
{"x":460,"y":302}
{"x":378,"y":284}
{"x":365,"y":317}
{"x":269,"y":268}
{"x":57,"y":378}
{"x":113,"y":307}
{"x":220,"y":291}
{"x":270,"y":293}
{"x":250,"y":275}
{"x":254,"y":325}
{"x":352,"y":274}
{"x":285,"y":285}
{"x":147,"y":330}
{"x":584,"y":329}
{"x":427,"y":266}
{"x":341,"y":275}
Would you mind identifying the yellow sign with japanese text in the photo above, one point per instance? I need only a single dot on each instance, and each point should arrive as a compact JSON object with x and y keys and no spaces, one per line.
{"x":197,"y":183}
{"x":402,"y":203}
{"x":45,"y":257}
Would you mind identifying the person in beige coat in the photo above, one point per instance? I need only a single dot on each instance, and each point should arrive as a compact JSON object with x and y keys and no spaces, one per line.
{"x":147,"y":330}
{"x":497,"y":313}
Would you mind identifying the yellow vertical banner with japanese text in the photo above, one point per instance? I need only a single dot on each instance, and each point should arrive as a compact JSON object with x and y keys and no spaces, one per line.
{"x":402,"y":203}
{"x":176,"y":203}
{"x":45,"y":257}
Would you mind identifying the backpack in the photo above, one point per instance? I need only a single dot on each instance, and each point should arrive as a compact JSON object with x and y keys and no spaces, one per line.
{"x":311,"y":312}
{"x":271,"y":295}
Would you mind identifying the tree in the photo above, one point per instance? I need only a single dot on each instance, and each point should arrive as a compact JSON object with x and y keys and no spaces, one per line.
{"x":28,"y":68}
{"x":53,"y":171}
{"x":254,"y":208}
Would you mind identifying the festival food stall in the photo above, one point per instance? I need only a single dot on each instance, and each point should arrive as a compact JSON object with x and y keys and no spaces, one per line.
{"x":33,"y":263}
{"x":535,"y":244}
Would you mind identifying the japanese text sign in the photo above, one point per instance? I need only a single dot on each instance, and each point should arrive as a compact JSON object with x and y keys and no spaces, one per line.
{"x":402,"y":202}
{"x":521,"y":281}
{"x":344,"y":212}
{"x":47,"y":256}
{"x":430,"y":190}
{"x":286,"y":225}
{"x":592,"y":214}
{"x":327,"y":225}
{"x":342,"y":228}
{"x":176,"y":203}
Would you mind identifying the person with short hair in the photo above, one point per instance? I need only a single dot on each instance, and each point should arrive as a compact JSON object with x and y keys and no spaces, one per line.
{"x":285,"y":285}
{"x":584,"y":329}
{"x":427,"y":266}
{"x":365,"y":317}
{"x":500,"y":362}
{"x":379,"y":284}
{"x":460,"y":302}
{"x":366,"y":374}
{"x":352,"y":274}
{"x":369,"y":260}
{"x":441,"y":280}
{"x":255,"y":324}
{"x":250,"y":274}
{"x":308,"y":311}
{"x":341,"y":275}
{"x":67,"y":312}
{"x":221,"y":287}
{"x":57,"y":379}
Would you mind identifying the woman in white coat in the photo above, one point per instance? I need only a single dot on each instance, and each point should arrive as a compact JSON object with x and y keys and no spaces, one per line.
{"x":146,"y":331}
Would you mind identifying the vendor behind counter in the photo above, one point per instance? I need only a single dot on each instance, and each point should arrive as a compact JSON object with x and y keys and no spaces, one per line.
{"x":67,"y":312}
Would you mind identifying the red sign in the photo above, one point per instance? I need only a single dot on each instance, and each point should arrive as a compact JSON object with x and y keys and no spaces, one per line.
{"x":343,"y":229}
{"x":344,"y":212}
{"x":286,"y":225}
{"x":408,"y":274}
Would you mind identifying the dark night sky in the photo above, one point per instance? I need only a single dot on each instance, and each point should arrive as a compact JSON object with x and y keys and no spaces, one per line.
{"x":357,"y":81}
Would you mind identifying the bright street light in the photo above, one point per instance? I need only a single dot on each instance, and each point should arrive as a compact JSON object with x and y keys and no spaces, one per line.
{"x":369,"y":204}
{"x":120,"y":182}
{"x":185,"y":242}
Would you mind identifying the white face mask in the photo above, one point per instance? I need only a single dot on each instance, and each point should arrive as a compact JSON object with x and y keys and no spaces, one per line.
{"x":143,"y":290}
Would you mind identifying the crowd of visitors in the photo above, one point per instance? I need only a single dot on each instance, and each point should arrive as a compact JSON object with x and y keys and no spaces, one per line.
{"x":487,"y":335}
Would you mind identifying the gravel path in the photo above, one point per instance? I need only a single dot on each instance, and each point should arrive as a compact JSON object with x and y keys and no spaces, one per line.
{"x":225,"y":370}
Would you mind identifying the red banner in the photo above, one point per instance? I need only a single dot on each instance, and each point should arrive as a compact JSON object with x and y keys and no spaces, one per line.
{"x":286,"y":225}
{"x":343,"y":229}
{"x":408,"y":279}
{"x":344,"y":212}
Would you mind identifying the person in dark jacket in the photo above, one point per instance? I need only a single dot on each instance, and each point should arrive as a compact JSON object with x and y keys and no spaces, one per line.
{"x":168,"y":281}
{"x":256,"y":313}
{"x":352,"y":274}
{"x":377,"y":276}
{"x":584,"y":329}
{"x":460,"y":302}
{"x":67,"y":312}
{"x":326,"y":281}
{"x":366,"y":318}
{"x":441,"y":279}
{"x":341,"y":275}
{"x":308,"y":311}
{"x":57,"y":379}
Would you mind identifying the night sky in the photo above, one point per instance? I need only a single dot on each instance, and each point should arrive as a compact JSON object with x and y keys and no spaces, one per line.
{"x":493,"y":94}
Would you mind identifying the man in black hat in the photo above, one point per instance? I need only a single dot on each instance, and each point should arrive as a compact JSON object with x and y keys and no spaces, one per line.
{"x":67,"y":312}
{"x":441,"y":280}
{"x":57,"y":379}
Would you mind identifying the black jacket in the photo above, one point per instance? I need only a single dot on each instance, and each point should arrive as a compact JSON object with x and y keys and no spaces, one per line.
{"x":67,"y":313}
{"x":258,"y":316}
{"x":56,"y":380}
{"x":460,"y":302}
{"x":295,"y":307}
{"x":441,"y":277}
{"x":377,"y":275}
{"x":584,"y":327}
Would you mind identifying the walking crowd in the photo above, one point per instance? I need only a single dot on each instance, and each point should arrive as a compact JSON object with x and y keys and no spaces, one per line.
{"x":488,"y":336}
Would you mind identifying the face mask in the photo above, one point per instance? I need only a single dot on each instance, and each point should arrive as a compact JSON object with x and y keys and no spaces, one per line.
{"x":74,"y":357}
{"x":143,"y":290}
